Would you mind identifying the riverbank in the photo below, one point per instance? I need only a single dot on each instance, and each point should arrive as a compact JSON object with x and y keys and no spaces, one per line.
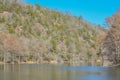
{"x":79,"y":63}
{"x":31,"y":62}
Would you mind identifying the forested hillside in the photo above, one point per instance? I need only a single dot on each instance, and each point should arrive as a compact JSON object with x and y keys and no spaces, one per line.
{"x":35,"y":33}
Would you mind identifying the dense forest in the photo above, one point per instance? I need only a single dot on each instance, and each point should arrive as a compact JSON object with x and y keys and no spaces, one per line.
{"x":38,"y":34}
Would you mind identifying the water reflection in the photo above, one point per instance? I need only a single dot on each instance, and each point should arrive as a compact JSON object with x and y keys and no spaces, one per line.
{"x":96,"y":77}
{"x":55,"y":72}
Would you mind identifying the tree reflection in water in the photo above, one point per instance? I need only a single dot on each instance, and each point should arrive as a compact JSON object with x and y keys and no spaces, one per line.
{"x":55,"y":72}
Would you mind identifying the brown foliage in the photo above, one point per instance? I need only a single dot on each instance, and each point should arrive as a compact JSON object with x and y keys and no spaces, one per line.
{"x":9,"y":43}
{"x":114,"y":21}
{"x":111,"y":43}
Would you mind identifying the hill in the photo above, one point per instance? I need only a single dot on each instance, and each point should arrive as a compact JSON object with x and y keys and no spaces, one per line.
{"x":35,"y":33}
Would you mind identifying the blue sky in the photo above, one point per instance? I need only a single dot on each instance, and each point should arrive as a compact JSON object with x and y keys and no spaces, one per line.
{"x":94,"y":11}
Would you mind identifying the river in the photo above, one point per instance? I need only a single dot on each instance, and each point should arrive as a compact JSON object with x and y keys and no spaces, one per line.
{"x":57,"y":72}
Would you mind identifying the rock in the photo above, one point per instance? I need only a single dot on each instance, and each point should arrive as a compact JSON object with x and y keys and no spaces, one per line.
{"x":107,"y":63}
{"x":53,"y":62}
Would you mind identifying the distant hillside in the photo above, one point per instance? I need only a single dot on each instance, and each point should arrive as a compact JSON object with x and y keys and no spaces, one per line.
{"x":35,"y":33}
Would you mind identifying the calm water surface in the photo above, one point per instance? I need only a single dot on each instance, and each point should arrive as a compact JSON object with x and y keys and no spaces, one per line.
{"x":55,"y":72}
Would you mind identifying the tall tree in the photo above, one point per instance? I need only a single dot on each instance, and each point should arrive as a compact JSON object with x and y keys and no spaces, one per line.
{"x":111,"y":44}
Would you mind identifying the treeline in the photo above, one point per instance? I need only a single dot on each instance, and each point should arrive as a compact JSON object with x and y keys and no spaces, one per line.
{"x":35,"y":33}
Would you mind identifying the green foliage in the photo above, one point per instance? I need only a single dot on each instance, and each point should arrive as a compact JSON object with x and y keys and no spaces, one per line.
{"x":56,"y":33}
{"x":30,"y":57}
{"x":11,"y":30}
{"x":38,"y":7}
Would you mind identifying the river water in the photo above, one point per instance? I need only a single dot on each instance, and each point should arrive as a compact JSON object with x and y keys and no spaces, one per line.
{"x":57,"y":72}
